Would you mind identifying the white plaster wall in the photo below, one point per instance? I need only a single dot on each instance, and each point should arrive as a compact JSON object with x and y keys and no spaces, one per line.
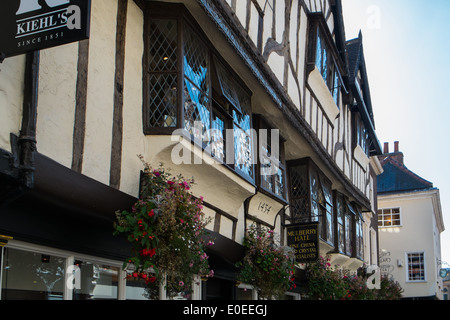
{"x":241,"y":11}
{"x":100,"y":94}
{"x":267,"y":23}
{"x":56,"y":102}
{"x":11,"y":98}
{"x":253,"y":24}
{"x":280,"y":8}
{"x":414,"y":235}
{"x":133,"y":138}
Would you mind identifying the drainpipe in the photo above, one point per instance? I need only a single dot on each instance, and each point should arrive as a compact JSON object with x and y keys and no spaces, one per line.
{"x":27,"y":138}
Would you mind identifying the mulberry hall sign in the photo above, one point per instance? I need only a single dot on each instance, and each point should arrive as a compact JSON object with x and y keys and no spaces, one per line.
{"x":304,"y":239}
{"x":28,"y":25}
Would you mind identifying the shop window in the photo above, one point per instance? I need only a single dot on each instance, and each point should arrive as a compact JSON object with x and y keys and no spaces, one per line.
{"x":137,"y":290}
{"x":416,"y":266}
{"x":311,"y":198}
{"x":31,"y":276}
{"x":97,"y":281}
{"x":188,"y":86}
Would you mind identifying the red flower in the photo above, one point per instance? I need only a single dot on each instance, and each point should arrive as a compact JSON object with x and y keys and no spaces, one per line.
{"x":151,"y":280}
{"x":151,"y":213}
{"x":148,"y":252}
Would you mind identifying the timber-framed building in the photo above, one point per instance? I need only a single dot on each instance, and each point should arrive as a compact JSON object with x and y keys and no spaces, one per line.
{"x":75,"y":117}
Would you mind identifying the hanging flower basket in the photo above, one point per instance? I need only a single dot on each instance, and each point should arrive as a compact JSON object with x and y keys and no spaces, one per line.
{"x":268,"y":268}
{"x":167,"y":230}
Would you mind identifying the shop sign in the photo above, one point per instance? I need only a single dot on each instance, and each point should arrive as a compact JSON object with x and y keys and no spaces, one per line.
{"x":304,"y":239}
{"x":29,"y":25}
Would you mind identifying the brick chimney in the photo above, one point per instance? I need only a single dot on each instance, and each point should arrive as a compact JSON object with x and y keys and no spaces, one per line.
{"x":397,"y":155}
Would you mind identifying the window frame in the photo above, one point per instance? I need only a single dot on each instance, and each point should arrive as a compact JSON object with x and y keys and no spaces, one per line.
{"x":312,"y":168}
{"x":70,"y":258}
{"x":156,"y":10}
{"x":361,"y":136}
{"x":318,"y":30}
{"x":259,"y":123}
{"x":423,"y":267}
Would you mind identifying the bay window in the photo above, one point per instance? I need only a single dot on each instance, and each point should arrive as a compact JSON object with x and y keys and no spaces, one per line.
{"x":187,"y":85}
{"x":361,"y":134}
{"x":311,"y":197}
{"x":271,"y":165}
{"x":323,"y":55}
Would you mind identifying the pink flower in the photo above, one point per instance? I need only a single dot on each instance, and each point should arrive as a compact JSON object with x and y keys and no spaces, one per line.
{"x":156,"y":173}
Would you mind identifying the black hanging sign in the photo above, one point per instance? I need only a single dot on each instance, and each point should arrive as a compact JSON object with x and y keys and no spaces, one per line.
{"x":304,"y":239}
{"x":28,"y":25}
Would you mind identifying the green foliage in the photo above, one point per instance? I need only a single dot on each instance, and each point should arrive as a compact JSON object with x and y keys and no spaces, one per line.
{"x":325,"y":282}
{"x":166,"y":228}
{"x":265,"y":266}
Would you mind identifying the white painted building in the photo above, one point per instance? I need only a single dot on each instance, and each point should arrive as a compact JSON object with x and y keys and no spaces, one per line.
{"x":410,"y":224}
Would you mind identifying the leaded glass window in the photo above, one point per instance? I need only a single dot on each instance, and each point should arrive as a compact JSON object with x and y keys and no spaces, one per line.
{"x":188,"y":86}
{"x":349,"y":229}
{"x":326,"y":64}
{"x":311,"y":197}
{"x":271,"y":158}
{"x":162,"y":85}
{"x":299,"y":194}
{"x":340,"y":218}
{"x":327,"y":213}
{"x":197,"y":102}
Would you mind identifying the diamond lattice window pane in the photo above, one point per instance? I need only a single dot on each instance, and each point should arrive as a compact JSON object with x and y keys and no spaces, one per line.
{"x":163,"y":45}
{"x":163,"y":100}
{"x":197,"y":119}
{"x":196,"y":61}
{"x":243,"y":151}
{"x":218,"y":137}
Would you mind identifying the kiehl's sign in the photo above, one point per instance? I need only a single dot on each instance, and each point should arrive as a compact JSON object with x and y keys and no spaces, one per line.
{"x":304,"y":239}
{"x":28,"y":25}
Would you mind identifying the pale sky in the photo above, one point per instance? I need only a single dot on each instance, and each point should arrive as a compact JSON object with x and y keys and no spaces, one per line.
{"x":406,"y":46}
